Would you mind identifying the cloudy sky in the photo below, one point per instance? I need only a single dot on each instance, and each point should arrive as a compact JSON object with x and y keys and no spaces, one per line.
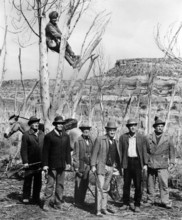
{"x":130,"y":34}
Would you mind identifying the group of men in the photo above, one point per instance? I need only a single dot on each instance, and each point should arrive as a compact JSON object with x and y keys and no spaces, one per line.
{"x":130,"y":155}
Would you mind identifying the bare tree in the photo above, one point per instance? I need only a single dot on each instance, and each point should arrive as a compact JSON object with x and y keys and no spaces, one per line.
{"x":169,"y":44}
{"x":3,"y":50}
{"x":71,"y":11}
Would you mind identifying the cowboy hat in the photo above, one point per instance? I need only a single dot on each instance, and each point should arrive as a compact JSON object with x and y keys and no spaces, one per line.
{"x":33,"y":119}
{"x":58,"y":120}
{"x":84,"y":126}
{"x":158,"y":122}
{"x":111,"y":125}
{"x":131,"y":122}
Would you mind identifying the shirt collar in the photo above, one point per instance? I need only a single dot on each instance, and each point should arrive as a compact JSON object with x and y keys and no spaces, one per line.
{"x":59,"y":134}
{"x":134,"y":136}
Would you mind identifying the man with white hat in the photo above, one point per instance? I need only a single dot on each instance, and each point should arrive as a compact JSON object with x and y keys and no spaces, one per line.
{"x":133,"y":150}
{"x":104,"y":160}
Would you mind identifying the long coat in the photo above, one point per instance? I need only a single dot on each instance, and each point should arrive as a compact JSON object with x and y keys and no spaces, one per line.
{"x":80,"y":154}
{"x":99,"y":154}
{"x":56,"y":150}
{"x":141,"y":148}
{"x":162,"y":153}
{"x":52,"y":33}
{"x":31,"y":147}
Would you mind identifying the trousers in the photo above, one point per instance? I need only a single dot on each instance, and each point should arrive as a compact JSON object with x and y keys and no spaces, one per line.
{"x":81,"y":186}
{"x":132,"y":172}
{"x":55,"y":177}
{"x":163,"y":176}
{"x":102,"y":188}
{"x":36,"y":179}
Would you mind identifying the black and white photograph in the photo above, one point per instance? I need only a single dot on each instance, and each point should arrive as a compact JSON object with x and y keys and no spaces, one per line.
{"x":90,"y":109}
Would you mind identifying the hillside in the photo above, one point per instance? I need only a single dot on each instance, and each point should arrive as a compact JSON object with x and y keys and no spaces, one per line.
{"x":129,"y":79}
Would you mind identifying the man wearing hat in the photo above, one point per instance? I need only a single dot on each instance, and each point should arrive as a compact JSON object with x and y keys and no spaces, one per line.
{"x":53,"y":39}
{"x":81,"y":163}
{"x":133,"y":150}
{"x":31,"y":151}
{"x":104,"y":160}
{"x":56,"y":157}
{"x":161,"y":159}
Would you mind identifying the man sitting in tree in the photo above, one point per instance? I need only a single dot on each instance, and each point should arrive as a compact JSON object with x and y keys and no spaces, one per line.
{"x":53,"y":39}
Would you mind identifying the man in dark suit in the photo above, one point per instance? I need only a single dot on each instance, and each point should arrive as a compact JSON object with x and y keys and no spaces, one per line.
{"x":104,"y":160}
{"x":53,"y":39}
{"x":56,"y":155}
{"x":81,"y":163}
{"x":31,"y":152}
{"x":133,"y":150}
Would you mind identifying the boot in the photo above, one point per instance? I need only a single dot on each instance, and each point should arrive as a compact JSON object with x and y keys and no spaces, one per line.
{"x":73,"y":61}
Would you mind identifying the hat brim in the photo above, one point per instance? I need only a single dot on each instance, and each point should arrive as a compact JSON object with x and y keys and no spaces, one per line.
{"x":33,"y":121}
{"x":131,"y":124}
{"x":58,"y":122}
{"x":110,"y":127}
{"x":162,"y":123}
{"x":84,"y":127}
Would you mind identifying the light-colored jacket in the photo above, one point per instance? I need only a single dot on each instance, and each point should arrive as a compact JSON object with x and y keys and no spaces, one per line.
{"x":99,"y":154}
{"x":161,"y":154}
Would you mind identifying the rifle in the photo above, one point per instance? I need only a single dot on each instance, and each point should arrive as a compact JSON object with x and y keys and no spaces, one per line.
{"x":30,"y":172}
{"x":10,"y":174}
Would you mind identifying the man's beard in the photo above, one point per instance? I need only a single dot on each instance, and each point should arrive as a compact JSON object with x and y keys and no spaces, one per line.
{"x":158,"y":132}
{"x":35,"y":129}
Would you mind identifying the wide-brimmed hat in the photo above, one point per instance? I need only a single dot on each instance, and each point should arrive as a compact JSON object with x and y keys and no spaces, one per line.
{"x":158,"y":122}
{"x":111,"y":125}
{"x":53,"y":15}
{"x":33,"y":119}
{"x":131,"y":122}
{"x":84,"y":126}
{"x":58,"y":120}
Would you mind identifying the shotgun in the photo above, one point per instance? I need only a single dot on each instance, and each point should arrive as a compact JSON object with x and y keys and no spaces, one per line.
{"x":10,"y":174}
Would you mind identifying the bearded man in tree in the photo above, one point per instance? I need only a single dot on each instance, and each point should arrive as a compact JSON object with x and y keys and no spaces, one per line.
{"x":31,"y":151}
{"x":53,"y":39}
{"x":161,"y":159}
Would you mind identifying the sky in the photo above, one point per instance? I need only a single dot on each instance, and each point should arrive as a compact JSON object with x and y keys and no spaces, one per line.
{"x":130,"y":34}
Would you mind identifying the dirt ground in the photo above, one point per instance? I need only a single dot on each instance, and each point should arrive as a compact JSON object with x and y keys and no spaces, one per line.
{"x":12,"y":208}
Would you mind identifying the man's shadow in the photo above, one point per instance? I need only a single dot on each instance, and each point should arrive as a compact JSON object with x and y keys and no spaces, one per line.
{"x":88,"y":207}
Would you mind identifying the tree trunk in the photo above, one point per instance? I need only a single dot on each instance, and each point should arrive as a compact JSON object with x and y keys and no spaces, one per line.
{"x":43,"y":72}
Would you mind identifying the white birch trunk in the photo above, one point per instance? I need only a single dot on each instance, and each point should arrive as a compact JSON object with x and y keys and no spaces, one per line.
{"x":44,"y":75}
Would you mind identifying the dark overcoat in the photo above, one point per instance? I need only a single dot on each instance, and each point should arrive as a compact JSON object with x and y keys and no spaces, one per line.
{"x":141,"y":148}
{"x":162,"y":153}
{"x":82,"y":153}
{"x":99,"y":154}
{"x":31,"y":147}
{"x":56,"y":150}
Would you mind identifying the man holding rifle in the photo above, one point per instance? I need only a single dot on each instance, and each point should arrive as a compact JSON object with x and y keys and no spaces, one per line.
{"x":31,"y":151}
{"x":56,"y":155}
{"x":104,"y":160}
